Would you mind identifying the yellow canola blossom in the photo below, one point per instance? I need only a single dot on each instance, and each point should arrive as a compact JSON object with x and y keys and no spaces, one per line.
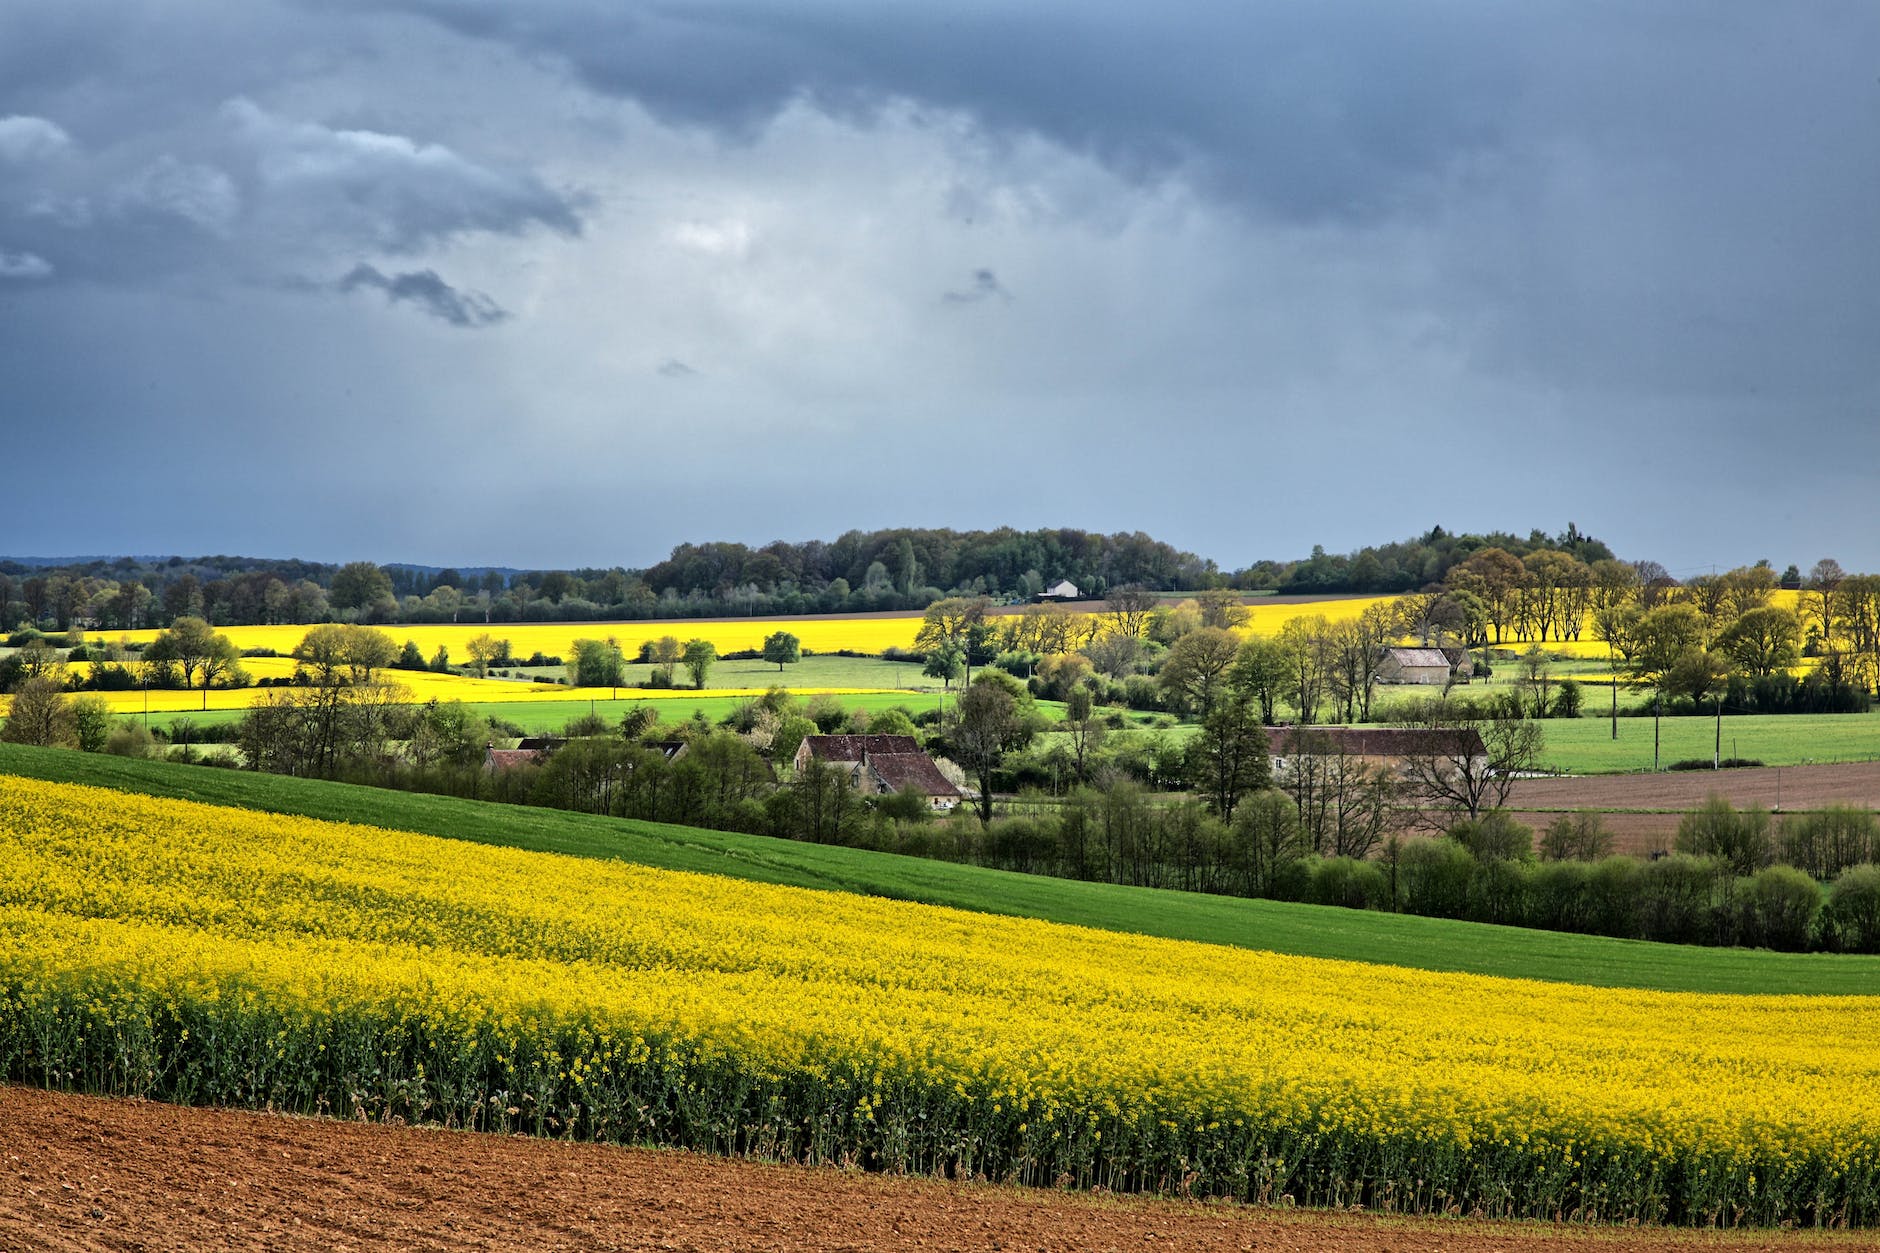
{"x":197,"y":952}
{"x":823,"y":635}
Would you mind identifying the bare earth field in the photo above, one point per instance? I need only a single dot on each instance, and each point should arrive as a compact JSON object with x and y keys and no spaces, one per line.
{"x":1656,"y":801}
{"x":99,"y":1173}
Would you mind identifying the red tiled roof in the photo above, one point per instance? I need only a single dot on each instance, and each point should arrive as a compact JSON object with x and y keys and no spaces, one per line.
{"x":901,"y":772}
{"x":509,"y":758}
{"x":851,"y":747}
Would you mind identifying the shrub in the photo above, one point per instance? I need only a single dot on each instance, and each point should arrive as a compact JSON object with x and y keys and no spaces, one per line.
{"x":1777,"y":908}
{"x":1348,"y":882}
{"x":1569,"y":699}
{"x":1852,"y":916}
{"x":1498,"y":891}
{"x":129,"y":739}
{"x":1576,"y":837}
{"x":1615,"y":897}
{"x":1677,"y":895}
{"x":1560,"y":896}
{"x":1433,"y":878}
{"x":1828,"y":841}
{"x":1495,"y":836}
{"x":1717,"y":829}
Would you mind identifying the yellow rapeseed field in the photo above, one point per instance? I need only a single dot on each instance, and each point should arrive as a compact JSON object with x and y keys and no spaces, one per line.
{"x":199,"y":953}
{"x":823,"y":635}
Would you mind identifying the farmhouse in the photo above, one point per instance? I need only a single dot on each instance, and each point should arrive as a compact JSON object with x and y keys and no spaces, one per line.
{"x":1414,"y":665}
{"x":1063,"y":589}
{"x":881,"y":764}
{"x":1374,"y":746}
{"x":497,"y":760}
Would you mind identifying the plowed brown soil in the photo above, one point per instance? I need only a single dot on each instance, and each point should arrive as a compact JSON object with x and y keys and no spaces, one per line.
{"x":1643,"y":809}
{"x":97,"y":1173}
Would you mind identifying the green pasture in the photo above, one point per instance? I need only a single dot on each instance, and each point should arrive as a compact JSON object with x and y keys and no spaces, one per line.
{"x":1306,"y":930}
{"x":821,"y":670}
{"x":1585,"y":745}
{"x":543,"y":716}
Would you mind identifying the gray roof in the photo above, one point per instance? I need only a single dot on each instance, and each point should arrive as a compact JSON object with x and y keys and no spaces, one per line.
{"x":1418,"y":657}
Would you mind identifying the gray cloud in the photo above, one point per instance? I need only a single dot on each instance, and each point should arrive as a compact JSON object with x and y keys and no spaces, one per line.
{"x":673,"y":368}
{"x":200,"y":195}
{"x":25,"y":139}
{"x":985,"y":286}
{"x":424,"y":290}
{"x":23,"y":265}
{"x":391,"y":190}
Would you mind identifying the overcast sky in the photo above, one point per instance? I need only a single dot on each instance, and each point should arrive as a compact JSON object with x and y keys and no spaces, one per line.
{"x":567,"y":282}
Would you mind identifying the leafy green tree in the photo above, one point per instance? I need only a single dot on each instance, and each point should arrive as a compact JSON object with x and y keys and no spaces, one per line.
{"x":598,"y":663}
{"x":196,"y":648}
{"x":957,"y":621}
{"x":1763,"y":641}
{"x":483,"y":649}
{"x":1259,"y":673}
{"x":665,"y":653}
{"x":40,"y":715}
{"x":1660,"y":639}
{"x":1197,"y":666}
{"x":987,"y":722}
{"x":1085,"y":728}
{"x":359,"y":585}
{"x":945,"y":662}
{"x":91,"y":723}
{"x":698,"y":657}
{"x":782,"y":649}
{"x":1230,"y":757}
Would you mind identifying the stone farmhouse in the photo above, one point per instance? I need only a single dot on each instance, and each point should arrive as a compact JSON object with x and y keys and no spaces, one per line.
{"x":1415,"y":665}
{"x":880,"y":764}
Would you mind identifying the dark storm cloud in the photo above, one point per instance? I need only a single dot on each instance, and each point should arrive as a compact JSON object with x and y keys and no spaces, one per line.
{"x":229,"y":191}
{"x":1667,"y":158}
{"x":1306,"y":111}
{"x":426,"y":291}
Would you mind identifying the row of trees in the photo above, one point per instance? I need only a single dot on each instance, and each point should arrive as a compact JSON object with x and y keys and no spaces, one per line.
{"x":890,"y":569}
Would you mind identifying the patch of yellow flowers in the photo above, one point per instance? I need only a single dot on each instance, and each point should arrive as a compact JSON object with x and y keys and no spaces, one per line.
{"x":200,"y":953}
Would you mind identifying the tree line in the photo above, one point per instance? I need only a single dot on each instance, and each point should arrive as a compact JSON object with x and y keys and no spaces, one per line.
{"x":894,"y":569}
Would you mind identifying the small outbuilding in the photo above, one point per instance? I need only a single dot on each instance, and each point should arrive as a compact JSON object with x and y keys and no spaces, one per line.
{"x":1414,"y":665}
{"x":1063,"y":589}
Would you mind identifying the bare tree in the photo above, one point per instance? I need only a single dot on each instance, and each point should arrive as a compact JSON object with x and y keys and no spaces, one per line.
{"x":1466,"y":754}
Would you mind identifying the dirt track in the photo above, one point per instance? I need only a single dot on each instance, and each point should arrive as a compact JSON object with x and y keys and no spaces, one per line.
{"x":1672,"y":794}
{"x":93,"y":1173}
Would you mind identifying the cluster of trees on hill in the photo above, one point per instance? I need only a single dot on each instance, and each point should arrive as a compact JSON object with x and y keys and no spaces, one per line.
{"x":901,"y":568}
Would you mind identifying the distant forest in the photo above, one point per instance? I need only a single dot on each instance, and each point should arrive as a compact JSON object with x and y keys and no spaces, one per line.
{"x":906,"y":568}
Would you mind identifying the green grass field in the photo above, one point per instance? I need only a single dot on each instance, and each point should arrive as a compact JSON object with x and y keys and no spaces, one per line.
{"x":813,"y":671}
{"x":1586,"y":746}
{"x":1316,"y":931}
